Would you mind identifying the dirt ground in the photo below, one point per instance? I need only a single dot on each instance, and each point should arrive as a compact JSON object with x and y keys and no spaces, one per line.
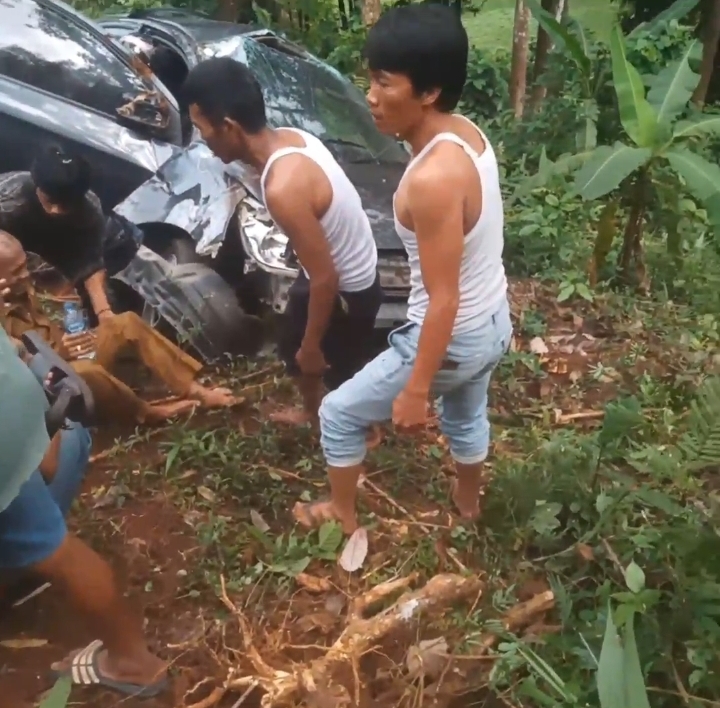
{"x":145,"y":526}
{"x":150,"y":547}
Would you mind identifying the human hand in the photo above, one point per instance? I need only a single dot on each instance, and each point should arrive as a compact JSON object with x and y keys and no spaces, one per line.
{"x":79,"y":345}
{"x":410,"y":411}
{"x":311,"y":361}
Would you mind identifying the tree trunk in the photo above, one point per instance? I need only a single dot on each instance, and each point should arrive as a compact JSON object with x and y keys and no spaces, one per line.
{"x":518,"y":68}
{"x":710,"y":33}
{"x":543,"y":48}
{"x":371,"y":10}
{"x":228,"y":10}
{"x":631,"y":259}
{"x":565,"y":12}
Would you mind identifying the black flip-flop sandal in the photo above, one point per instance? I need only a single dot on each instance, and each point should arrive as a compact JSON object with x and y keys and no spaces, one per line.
{"x":84,"y":670}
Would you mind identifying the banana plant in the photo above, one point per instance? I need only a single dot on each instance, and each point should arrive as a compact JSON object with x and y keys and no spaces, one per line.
{"x":573,"y":40}
{"x":659,"y":140}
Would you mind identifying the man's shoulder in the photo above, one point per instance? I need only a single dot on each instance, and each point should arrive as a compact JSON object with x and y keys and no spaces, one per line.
{"x":282,"y":183}
{"x":14,"y":190}
{"x":438,"y":171}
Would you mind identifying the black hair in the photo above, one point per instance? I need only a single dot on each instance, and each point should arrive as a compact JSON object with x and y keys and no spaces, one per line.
{"x":62,"y":177}
{"x":169,"y":67}
{"x":224,"y":88}
{"x":425,"y":42}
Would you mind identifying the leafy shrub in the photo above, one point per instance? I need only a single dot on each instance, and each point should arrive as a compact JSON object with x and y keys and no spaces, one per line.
{"x":486,"y":91}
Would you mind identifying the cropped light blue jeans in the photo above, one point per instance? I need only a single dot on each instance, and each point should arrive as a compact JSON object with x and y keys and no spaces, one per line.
{"x":461,"y":385}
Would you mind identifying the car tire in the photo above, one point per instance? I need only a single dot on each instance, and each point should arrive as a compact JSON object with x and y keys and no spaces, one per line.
{"x":171,"y":242}
{"x":226,"y":328}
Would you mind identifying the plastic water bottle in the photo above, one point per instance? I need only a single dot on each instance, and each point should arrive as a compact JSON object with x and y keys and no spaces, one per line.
{"x":75,"y":322}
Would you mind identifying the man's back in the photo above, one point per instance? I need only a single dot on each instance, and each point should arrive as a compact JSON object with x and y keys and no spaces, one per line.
{"x":344,"y":221}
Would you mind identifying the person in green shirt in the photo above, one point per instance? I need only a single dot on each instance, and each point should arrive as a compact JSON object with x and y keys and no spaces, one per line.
{"x":22,"y":417}
{"x":39,"y":478}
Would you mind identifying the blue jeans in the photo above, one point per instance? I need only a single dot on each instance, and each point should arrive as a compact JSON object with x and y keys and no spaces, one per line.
{"x":33,"y":527}
{"x":461,"y":384}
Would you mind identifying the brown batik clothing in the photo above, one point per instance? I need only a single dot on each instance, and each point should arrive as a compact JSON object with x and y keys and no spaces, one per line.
{"x":114,"y":400}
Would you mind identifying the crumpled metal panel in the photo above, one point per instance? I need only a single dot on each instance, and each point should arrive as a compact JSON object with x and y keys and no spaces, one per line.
{"x":195,"y":191}
{"x":161,"y":286}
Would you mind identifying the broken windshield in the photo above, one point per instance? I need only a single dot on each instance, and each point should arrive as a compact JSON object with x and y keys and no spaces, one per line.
{"x":308,"y":94}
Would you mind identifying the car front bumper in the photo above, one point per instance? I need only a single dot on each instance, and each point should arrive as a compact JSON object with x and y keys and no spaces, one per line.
{"x":276,"y":284}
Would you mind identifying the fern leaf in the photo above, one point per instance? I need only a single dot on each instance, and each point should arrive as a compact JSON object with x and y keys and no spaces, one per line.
{"x":701,"y":443}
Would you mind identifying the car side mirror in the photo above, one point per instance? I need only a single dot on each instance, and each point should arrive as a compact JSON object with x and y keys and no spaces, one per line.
{"x":145,"y":111}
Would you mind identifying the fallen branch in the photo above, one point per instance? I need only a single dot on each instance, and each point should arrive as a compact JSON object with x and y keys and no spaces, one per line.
{"x":519,"y":616}
{"x":116,"y":448}
{"x":365,"y":482}
{"x":259,"y":374}
{"x":565,"y":418}
{"x":359,"y":637}
{"x":374,"y":596}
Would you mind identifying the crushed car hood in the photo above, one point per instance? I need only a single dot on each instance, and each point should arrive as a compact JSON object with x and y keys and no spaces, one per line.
{"x":376,"y":184}
{"x":193,"y":190}
{"x":197,"y":192}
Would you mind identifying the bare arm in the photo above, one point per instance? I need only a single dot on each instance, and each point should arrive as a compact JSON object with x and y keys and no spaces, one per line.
{"x":293,"y":213}
{"x":95,"y":286}
{"x":436,"y":207}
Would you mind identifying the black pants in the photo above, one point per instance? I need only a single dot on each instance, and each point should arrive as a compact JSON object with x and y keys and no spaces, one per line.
{"x":347,"y":344}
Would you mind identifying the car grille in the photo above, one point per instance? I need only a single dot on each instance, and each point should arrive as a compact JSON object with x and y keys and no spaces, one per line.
{"x":394,"y":276}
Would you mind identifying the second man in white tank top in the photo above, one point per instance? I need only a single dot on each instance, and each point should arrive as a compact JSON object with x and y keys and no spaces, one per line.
{"x":332,"y":306}
{"x":449,"y":215}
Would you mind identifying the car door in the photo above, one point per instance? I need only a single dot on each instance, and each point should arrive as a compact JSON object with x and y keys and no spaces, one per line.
{"x":61,"y":80}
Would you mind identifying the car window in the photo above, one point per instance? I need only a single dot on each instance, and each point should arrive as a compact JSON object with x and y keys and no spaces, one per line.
{"x":310,"y":95}
{"x":49,"y":50}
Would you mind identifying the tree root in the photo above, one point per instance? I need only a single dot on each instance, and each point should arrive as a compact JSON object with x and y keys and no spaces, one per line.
{"x":313,"y":682}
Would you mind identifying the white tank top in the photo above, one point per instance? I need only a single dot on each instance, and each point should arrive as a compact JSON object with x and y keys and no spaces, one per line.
{"x":346,"y":225}
{"x":483,"y":285}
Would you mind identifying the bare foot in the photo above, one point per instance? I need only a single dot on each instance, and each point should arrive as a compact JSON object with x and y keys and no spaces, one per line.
{"x":316,"y":513}
{"x":144,"y":670}
{"x":467,"y":506}
{"x":161,"y":412}
{"x":214,"y":397}
{"x":294,"y":416}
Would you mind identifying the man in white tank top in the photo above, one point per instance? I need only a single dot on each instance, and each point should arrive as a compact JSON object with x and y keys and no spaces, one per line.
{"x":449,"y":215}
{"x":332,"y":306}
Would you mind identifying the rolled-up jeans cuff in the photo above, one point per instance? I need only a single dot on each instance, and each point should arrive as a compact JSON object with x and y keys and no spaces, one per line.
{"x":473,"y":460}
{"x":345,"y":461}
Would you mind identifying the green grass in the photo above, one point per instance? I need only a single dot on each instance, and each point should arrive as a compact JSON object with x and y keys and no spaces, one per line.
{"x":491,"y":28}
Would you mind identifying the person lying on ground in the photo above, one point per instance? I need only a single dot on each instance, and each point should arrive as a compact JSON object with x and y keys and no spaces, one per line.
{"x":39,"y":478}
{"x":329,"y":321}
{"x":53,"y":213}
{"x":114,"y":400}
{"x":449,"y":215}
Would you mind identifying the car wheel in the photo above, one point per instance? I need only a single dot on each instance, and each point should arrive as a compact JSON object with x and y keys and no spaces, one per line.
{"x":203,"y":305}
{"x":172,"y":243}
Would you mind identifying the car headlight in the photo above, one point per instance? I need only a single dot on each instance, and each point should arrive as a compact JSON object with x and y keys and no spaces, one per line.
{"x":263,"y":241}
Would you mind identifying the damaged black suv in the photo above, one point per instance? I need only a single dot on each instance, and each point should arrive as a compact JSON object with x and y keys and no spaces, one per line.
{"x":210,"y":259}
